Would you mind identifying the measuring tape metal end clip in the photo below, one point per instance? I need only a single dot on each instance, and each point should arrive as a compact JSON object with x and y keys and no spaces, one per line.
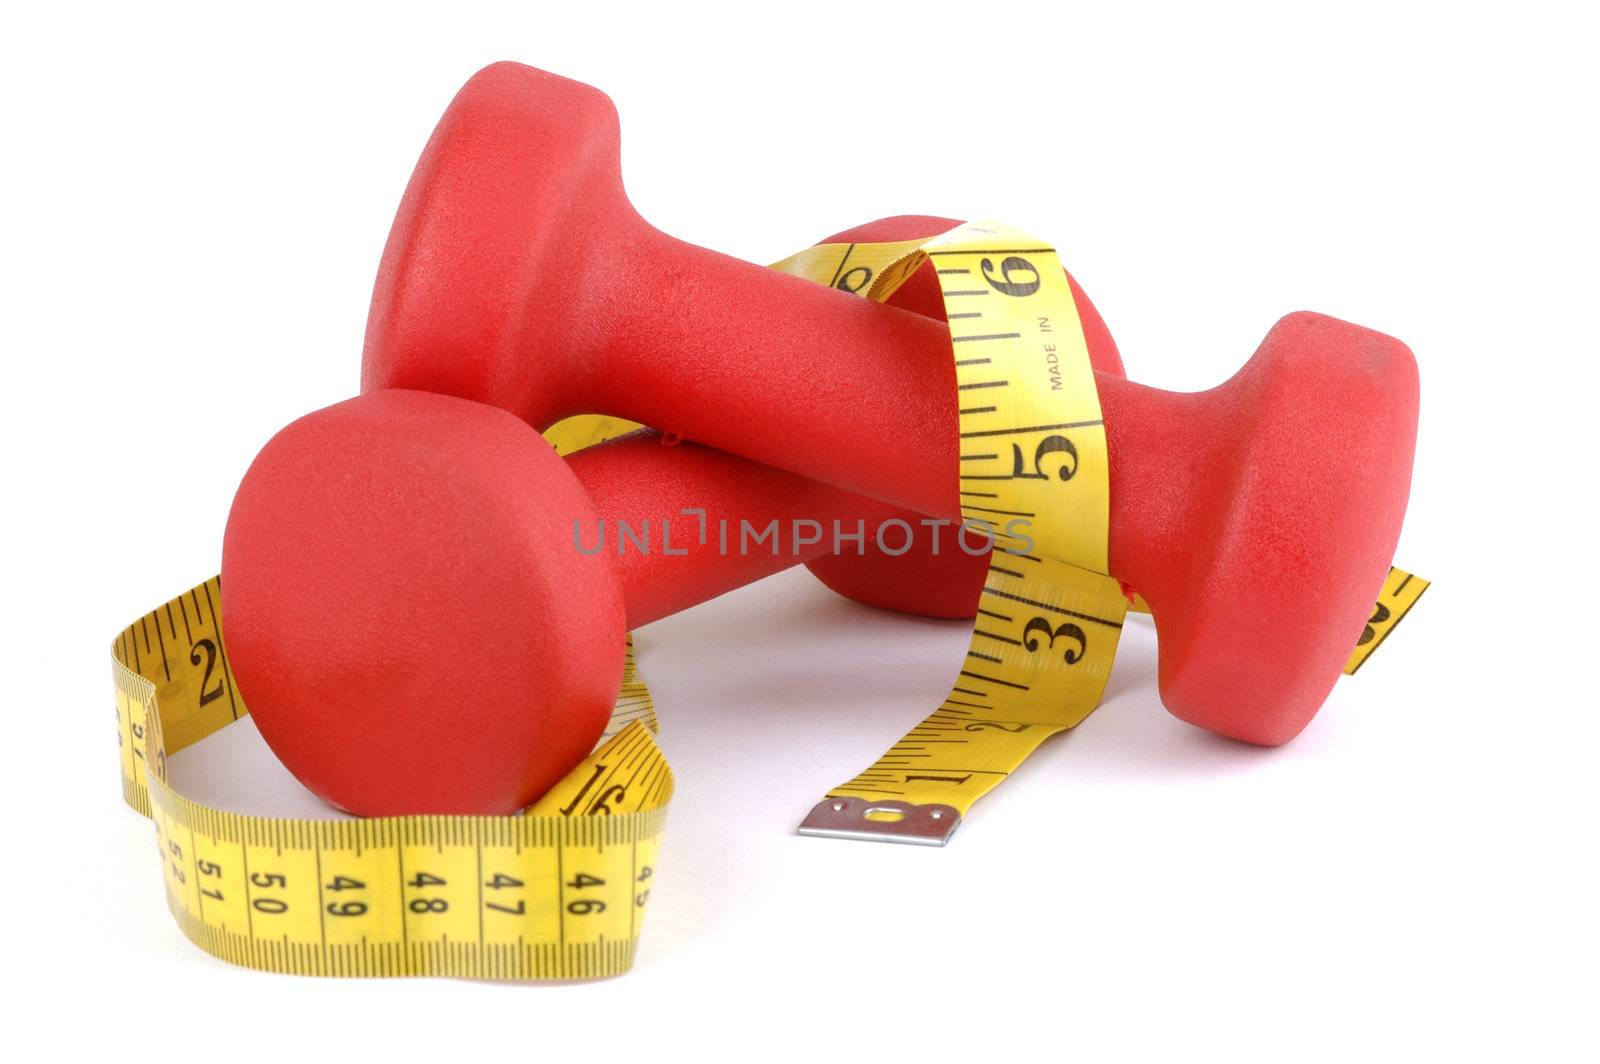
{"x":847,"y":817}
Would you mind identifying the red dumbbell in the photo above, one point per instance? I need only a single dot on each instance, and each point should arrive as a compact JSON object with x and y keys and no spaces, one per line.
{"x":1257,"y":519}
{"x":425,"y":607}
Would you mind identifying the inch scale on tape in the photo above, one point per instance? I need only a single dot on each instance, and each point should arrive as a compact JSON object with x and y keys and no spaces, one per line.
{"x":1034,"y":475}
{"x":1401,"y":590}
{"x":1011,"y":317}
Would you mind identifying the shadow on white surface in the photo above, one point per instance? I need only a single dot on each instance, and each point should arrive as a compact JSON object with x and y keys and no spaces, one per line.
{"x":768,"y":697}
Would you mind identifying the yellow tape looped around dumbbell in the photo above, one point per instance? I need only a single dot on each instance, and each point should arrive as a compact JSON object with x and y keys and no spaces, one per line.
{"x":559,"y":892}
{"x":1034,"y":475}
{"x":556,"y":893}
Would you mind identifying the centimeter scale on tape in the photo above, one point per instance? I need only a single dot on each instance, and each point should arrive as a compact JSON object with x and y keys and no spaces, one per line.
{"x":559,"y":891}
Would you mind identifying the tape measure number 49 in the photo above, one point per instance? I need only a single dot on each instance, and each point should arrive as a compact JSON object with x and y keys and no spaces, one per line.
{"x":556,"y":893}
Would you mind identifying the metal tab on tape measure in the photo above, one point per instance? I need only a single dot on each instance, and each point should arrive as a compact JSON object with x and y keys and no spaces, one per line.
{"x":846,"y":817}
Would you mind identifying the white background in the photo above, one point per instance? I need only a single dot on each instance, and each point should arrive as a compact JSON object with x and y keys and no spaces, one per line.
{"x":193,"y":206}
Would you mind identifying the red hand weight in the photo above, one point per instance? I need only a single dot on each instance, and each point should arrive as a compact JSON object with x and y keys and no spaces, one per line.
{"x":1258,"y":518}
{"x":425,"y":606}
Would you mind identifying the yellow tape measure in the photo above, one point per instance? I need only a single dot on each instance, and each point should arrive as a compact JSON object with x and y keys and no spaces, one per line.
{"x":1401,"y":590}
{"x":1034,"y":475}
{"x":559,"y":892}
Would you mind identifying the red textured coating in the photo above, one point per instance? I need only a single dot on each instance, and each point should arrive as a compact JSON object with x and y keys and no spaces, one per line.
{"x":424,"y":606}
{"x":1257,"y":518}
{"x":639,"y":480}
{"x":386,"y":591}
{"x":934,"y":576}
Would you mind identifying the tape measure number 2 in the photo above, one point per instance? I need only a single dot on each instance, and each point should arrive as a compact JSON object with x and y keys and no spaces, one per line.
{"x":556,"y":893}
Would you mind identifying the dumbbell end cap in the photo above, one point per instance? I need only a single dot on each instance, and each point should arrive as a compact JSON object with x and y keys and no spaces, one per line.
{"x":480,"y":285}
{"x":1288,"y":562}
{"x":406,"y":614}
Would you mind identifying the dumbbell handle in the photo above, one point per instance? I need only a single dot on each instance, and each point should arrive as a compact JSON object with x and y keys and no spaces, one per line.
{"x":682,"y":524}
